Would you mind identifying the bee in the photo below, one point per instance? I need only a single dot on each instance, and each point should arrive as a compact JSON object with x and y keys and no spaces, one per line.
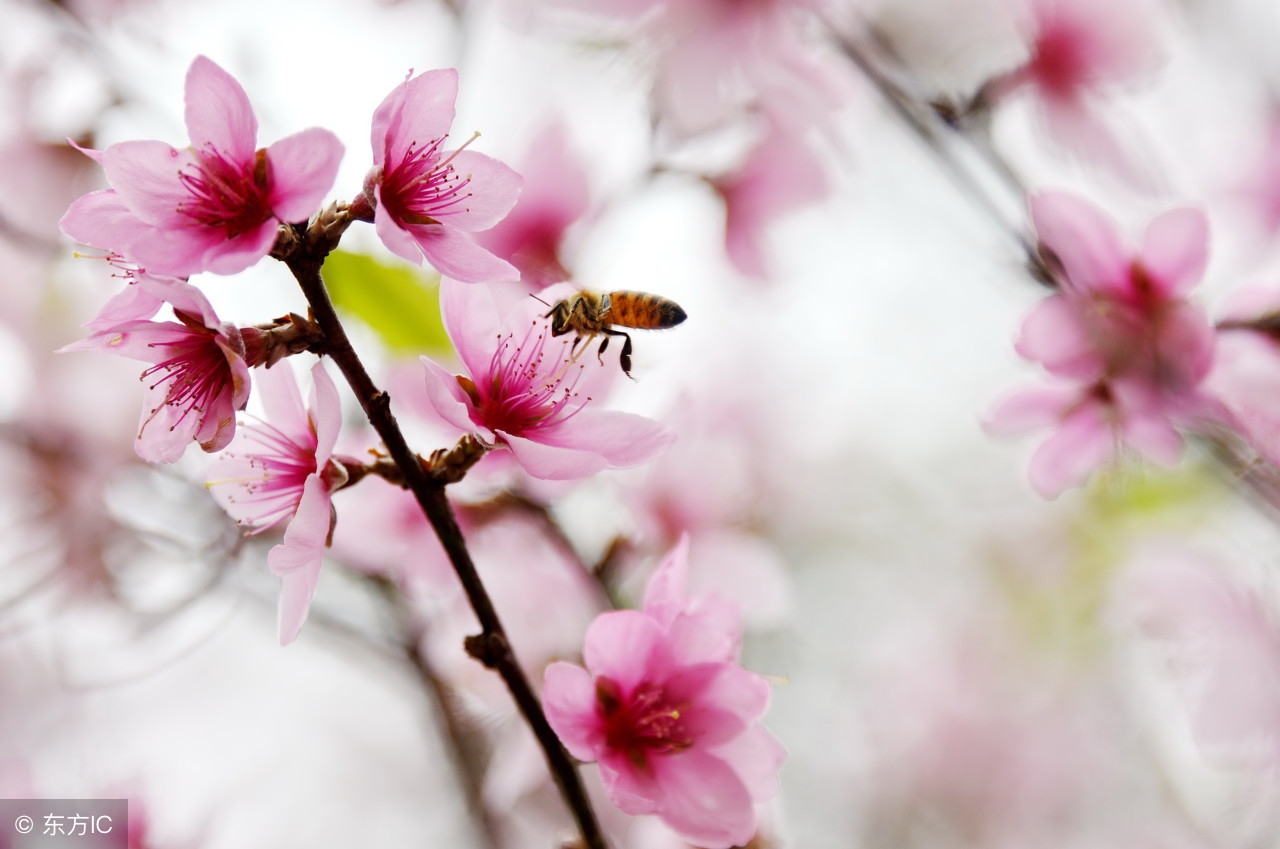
{"x":591,"y":314}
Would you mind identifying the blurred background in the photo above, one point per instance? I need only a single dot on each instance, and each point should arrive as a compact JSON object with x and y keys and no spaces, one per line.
{"x":956,"y":661}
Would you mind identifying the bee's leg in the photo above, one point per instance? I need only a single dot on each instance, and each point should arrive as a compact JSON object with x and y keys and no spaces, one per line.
{"x":624,"y":359}
{"x":604,"y":343}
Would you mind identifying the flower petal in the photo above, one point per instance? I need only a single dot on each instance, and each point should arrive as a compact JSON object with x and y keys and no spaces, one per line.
{"x":218,"y":113}
{"x":282,"y":402}
{"x":453,"y":254}
{"x":755,"y":756}
{"x":619,"y":646}
{"x":569,"y":699}
{"x":449,"y":401}
{"x":397,"y":239}
{"x":1030,"y":409}
{"x":325,"y":412}
{"x":704,"y":800}
{"x":1175,"y":250}
{"x":471,"y":319}
{"x":1056,"y":335}
{"x":1080,"y":446}
{"x":1084,"y":239}
{"x":148,"y":177}
{"x":102,"y":219}
{"x":297,"y":560}
{"x":622,"y":439}
{"x":417,"y":111}
{"x":664,"y":595}
{"x":553,"y":463}
{"x":303,"y":169}
{"x":492,"y":190}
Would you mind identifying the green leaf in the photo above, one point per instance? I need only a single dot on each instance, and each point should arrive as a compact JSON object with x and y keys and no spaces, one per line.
{"x":398,"y":302}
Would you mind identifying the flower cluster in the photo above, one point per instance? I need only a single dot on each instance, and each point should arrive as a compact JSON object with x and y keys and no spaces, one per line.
{"x":1126,"y":347}
{"x":668,"y":713}
{"x":665,"y":707}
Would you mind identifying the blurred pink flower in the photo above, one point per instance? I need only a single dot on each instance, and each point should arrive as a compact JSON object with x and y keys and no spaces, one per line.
{"x":718,"y":59}
{"x":1079,"y":50}
{"x":671,"y":718}
{"x":780,"y":174}
{"x":199,"y":376}
{"x":215,"y":206}
{"x":1223,"y":639}
{"x":555,"y":195}
{"x":282,"y":469}
{"x":426,"y":198}
{"x":521,"y":392}
{"x":1129,"y":350}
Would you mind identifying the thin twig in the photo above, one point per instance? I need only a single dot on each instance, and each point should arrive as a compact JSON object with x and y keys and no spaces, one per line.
{"x":304,"y":251}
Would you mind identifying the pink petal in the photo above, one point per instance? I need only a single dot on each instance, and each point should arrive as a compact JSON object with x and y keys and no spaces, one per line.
{"x":709,"y":631}
{"x":664,"y":596}
{"x":1083,"y":238}
{"x":163,"y":435}
{"x":553,"y":463}
{"x":1030,"y":409}
{"x":1185,"y":340}
{"x":755,"y":756}
{"x":454,"y":254}
{"x":449,"y":401}
{"x":1155,"y":439}
{"x":418,"y":111}
{"x":231,"y":256}
{"x":297,"y":560}
{"x":622,"y":439}
{"x":132,"y":303}
{"x":102,"y":219}
{"x":742,"y":694}
{"x":218,"y":113}
{"x":471,"y":319}
{"x":1175,"y":250}
{"x":704,"y":800}
{"x":282,"y":402}
{"x":183,"y":297}
{"x":492,"y":191}
{"x":1056,"y":334}
{"x":303,"y":168}
{"x":95,"y":155}
{"x":325,"y":412}
{"x":631,"y":788}
{"x":1093,"y":137}
{"x":1080,"y":446}
{"x":569,"y":699}
{"x":397,"y":239}
{"x":619,"y":645}
{"x":146,"y":174}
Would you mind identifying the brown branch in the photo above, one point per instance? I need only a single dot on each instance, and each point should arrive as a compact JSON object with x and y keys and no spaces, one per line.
{"x":304,"y":252}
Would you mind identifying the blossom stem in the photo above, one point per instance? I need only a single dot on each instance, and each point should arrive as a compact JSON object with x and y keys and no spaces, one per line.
{"x":305,"y":259}
{"x":925,"y":122}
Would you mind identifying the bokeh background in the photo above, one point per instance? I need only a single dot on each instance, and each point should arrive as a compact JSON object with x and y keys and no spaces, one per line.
{"x":956,"y":661}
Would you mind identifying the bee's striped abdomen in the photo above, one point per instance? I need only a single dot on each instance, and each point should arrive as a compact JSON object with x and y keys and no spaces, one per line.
{"x":643,"y":311}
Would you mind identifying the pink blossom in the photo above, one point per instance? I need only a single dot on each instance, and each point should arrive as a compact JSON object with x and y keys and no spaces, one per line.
{"x":1222,"y":635}
{"x":282,"y":469}
{"x":427,"y":198}
{"x":555,"y":195}
{"x":521,"y":391}
{"x":778,"y":175}
{"x":214,"y":206}
{"x":1127,"y":348}
{"x":199,"y":376}
{"x":718,"y":58}
{"x":1081,"y":50}
{"x":671,"y":718}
